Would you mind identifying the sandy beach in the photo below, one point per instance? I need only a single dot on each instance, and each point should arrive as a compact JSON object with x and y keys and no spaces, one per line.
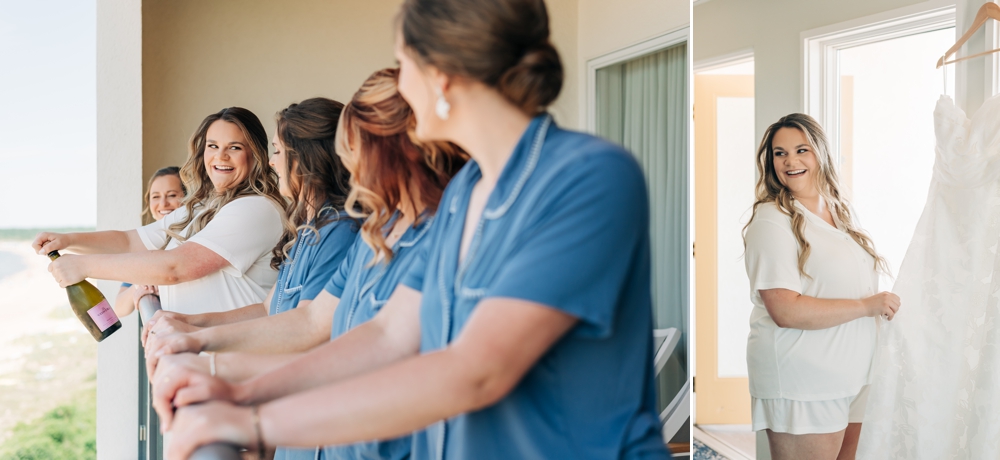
{"x":46,"y":357}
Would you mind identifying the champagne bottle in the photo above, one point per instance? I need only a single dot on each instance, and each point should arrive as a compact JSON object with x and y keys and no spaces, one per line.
{"x":91,"y":308}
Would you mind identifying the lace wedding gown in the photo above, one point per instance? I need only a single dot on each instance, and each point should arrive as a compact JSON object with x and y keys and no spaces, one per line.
{"x":936,"y":388}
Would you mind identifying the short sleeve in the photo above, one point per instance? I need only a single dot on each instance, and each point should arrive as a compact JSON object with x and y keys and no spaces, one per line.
{"x":772,"y":257}
{"x":242,"y":231}
{"x":154,"y":235}
{"x":580,"y":249}
{"x":336,"y":284}
{"x":332,"y":252}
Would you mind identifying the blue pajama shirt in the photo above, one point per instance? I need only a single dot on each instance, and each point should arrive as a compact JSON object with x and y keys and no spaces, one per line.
{"x":363,"y":289}
{"x":313,"y":259}
{"x":566,"y":227}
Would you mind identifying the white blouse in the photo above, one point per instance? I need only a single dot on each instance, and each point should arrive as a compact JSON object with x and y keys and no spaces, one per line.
{"x":804,"y":365}
{"x":243,"y":232}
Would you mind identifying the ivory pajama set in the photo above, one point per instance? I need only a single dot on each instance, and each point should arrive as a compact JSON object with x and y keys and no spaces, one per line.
{"x":814,"y":381}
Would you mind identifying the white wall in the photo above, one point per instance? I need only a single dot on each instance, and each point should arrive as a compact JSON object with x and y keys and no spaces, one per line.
{"x":772,"y":28}
{"x":266,"y":55}
{"x":119,"y":191}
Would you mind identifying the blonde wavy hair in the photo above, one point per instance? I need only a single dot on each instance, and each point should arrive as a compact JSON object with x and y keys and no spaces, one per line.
{"x":770,"y":190}
{"x":260,"y":181}
{"x":380,"y":126}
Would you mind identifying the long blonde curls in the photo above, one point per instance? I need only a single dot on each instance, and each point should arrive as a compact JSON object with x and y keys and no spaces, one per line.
{"x":260,"y":181}
{"x":770,"y":190}
{"x":380,"y":126}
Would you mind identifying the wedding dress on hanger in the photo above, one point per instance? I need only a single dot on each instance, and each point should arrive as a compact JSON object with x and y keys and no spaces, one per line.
{"x":936,"y":387}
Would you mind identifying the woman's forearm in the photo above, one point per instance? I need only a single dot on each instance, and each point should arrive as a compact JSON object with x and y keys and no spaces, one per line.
{"x":226,"y":317}
{"x":376,"y":405}
{"x":156,"y":268}
{"x":103,"y":242}
{"x":188,"y":262}
{"x":124,"y":305}
{"x":289,"y":332}
{"x":239,"y":367}
{"x":362,"y":349}
{"x":792,"y":310}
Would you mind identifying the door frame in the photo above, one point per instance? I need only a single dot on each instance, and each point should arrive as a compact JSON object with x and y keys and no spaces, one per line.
{"x":725,"y":60}
{"x":649,"y":46}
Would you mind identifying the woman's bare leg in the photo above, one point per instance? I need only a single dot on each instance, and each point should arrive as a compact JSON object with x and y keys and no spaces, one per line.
{"x":785,"y":446}
{"x":850,"y":446}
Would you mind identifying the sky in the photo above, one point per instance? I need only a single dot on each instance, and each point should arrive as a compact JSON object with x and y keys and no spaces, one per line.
{"x":48,"y":113}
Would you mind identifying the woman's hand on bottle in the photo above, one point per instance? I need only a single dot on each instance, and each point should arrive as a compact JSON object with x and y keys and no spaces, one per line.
{"x":179,"y":386}
{"x":68,"y":270}
{"x":47,"y":242}
{"x":209,"y":423}
{"x":884,"y":304}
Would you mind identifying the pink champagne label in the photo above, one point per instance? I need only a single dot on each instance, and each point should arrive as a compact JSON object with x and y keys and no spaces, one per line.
{"x":103,"y":315}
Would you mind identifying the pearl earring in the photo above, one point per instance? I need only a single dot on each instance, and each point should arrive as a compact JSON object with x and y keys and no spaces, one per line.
{"x":442,"y":107}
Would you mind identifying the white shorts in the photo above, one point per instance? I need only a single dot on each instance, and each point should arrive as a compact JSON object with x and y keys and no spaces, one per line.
{"x":808,"y":417}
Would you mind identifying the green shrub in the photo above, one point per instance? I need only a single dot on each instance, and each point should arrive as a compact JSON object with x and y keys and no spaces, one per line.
{"x":68,"y":432}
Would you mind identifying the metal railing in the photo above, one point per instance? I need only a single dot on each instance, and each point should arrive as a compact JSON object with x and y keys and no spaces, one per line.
{"x":148,"y":305}
{"x":218,"y":451}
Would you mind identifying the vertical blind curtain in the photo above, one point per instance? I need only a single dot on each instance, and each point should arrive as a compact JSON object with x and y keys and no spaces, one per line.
{"x":642,"y":104}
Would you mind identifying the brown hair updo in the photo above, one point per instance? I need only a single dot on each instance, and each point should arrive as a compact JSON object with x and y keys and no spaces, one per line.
{"x":502,"y":43}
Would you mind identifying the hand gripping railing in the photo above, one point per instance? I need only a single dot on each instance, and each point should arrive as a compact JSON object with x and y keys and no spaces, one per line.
{"x":148,"y":305}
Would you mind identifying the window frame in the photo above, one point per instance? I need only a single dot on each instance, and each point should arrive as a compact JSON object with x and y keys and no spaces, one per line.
{"x":820,"y":63}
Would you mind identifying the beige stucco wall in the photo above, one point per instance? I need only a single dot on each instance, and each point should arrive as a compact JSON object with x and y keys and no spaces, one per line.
{"x":772,"y":28}
{"x":199,"y":57}
{"x":607,"y":26}
{"x":563,"y":27}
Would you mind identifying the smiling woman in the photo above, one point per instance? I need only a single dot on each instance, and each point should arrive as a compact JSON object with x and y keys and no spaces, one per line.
{"x":164,"y":193}
{"x":216,"y":245}
{"x":813,"y":277}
